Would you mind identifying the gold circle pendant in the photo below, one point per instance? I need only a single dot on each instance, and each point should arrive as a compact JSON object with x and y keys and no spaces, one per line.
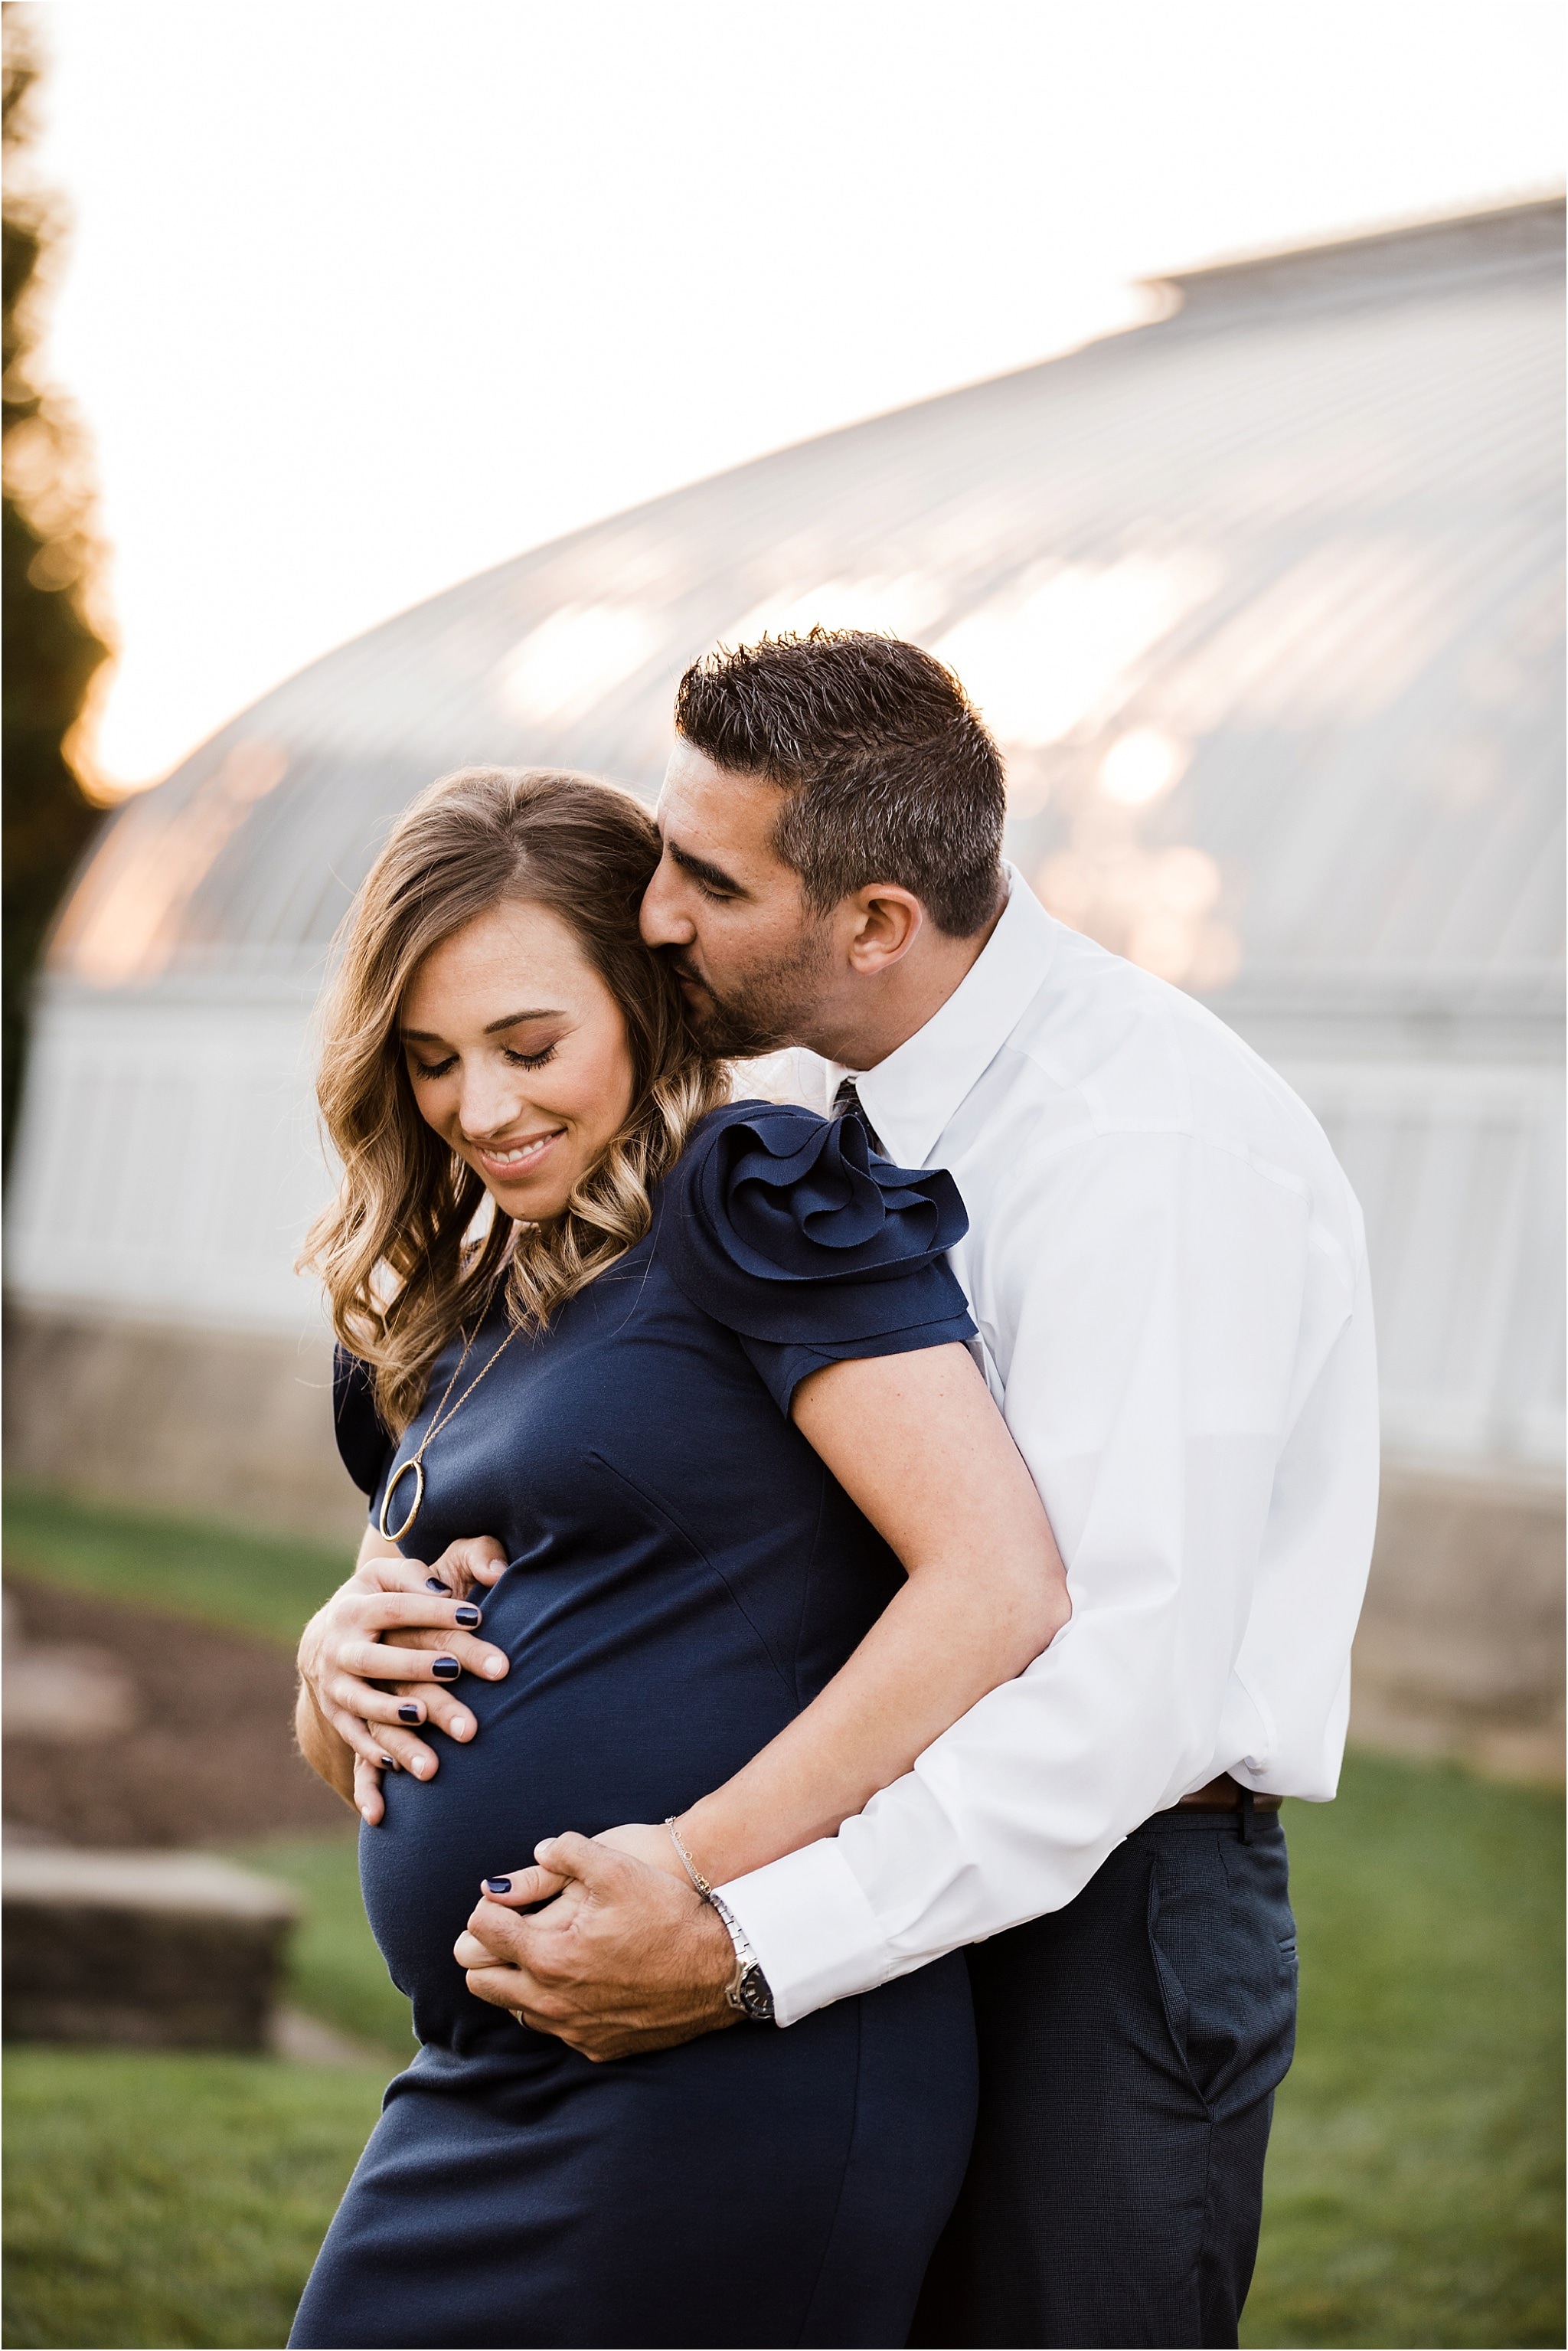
{"x":396,"y":1534}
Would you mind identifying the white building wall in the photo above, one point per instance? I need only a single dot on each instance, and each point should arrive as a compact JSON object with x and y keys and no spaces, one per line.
{"x":169,"y":1163}
{"x":1460,"y":1173}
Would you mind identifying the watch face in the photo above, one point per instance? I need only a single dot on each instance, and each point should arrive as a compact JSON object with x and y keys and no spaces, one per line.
{"x":755,"y":1996}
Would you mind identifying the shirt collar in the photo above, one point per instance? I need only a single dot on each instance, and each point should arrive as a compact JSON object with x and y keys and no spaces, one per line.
{"x":911,"y":1096}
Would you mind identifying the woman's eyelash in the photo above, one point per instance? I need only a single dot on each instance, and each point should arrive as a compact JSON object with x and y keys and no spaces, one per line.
{"x":524,"y":1061}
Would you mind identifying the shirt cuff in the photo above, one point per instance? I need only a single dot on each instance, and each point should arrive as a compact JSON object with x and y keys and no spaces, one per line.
{"x":815,"y":1935}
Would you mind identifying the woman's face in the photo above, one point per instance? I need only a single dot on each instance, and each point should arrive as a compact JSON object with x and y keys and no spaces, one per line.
{"x":518,"y":1055}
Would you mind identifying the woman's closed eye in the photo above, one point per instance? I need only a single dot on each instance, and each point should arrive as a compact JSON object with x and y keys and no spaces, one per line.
{"x":444,"y":1069}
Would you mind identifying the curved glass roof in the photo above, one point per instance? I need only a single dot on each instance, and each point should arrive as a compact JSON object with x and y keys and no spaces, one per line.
{"x":1263,"y":600}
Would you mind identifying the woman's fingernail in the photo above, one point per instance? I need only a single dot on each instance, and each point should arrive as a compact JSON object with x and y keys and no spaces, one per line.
{"x":388,"y":1764}
{"x":434,"y":1584}
{"x":408,"y":1714}
{"x":468,"y":1615}
{"x":497,"y":1885}
{"x":445,"y":1669}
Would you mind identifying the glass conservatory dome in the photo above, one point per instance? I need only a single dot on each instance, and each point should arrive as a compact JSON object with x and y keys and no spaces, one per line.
{"x":1263,"y":600}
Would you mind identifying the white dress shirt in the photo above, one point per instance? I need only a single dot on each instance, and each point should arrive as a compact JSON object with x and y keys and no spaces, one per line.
{"x":1168,"y":1271}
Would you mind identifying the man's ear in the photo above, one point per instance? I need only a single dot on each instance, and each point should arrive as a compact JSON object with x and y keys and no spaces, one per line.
{"x":885,"y":923}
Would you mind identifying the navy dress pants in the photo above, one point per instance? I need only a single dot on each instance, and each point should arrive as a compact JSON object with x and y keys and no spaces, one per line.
{"x":1130,"y":2048}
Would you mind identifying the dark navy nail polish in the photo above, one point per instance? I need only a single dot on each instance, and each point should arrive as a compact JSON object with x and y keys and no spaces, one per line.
{"x":445,"y":1669}
{"x":434,"y":1584}
{"x":497,"y":1884}
{"x":408,"y":1714}
{"x":387,"y":1763}
{"x":468,"y":1615}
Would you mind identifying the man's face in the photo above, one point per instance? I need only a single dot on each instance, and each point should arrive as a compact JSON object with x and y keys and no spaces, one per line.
{"x":754,"y":962}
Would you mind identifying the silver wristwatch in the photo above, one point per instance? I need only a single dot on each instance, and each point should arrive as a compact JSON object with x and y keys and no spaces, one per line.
{"x":748,"y":1989}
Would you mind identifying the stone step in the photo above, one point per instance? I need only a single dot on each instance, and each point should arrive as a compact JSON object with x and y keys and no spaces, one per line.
{"x":172,"y":1950}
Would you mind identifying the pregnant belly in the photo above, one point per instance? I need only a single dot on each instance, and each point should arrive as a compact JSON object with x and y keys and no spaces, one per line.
{"x":591,"y":1728}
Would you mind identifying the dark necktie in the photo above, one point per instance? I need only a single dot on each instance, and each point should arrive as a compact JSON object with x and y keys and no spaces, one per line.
{"x":847,"y":1098}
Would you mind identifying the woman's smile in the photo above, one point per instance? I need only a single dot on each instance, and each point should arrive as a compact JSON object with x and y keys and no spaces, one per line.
{"x":503,"y":1163}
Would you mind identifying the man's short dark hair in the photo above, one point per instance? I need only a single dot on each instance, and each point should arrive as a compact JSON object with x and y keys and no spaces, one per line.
{"x":889,"y":773}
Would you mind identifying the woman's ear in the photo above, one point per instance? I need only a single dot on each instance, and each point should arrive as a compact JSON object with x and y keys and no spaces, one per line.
{"x":887,"y":921}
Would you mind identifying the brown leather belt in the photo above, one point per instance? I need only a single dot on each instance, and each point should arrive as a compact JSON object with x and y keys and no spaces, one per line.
{"x":1224,"y":1795}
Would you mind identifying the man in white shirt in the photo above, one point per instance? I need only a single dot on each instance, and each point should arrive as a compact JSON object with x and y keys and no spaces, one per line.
{"x":1168,"y":1273}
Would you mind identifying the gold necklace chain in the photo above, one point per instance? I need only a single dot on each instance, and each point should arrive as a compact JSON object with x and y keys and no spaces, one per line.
{"x":415,"y":1461}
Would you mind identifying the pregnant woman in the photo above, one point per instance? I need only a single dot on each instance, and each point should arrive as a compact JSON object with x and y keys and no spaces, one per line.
{"x":700,"y":1367}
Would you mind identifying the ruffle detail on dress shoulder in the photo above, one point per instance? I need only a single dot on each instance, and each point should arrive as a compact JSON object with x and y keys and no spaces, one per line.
{"x":786,"y":1226}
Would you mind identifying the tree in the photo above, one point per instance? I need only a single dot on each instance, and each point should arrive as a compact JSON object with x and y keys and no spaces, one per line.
{"x":52,"y":647}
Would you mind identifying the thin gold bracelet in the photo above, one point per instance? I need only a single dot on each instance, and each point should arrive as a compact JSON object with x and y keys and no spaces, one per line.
{"x":705,"y":1891}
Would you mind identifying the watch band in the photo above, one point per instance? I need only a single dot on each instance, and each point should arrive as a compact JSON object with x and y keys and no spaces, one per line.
{"x":747,"y":1990}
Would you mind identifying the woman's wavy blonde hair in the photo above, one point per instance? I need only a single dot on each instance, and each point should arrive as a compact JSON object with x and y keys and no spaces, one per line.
{"x":403,"y":1260}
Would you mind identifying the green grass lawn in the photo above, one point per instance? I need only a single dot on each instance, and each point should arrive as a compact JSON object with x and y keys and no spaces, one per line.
{"x":167,"y":2199}
{"x":1414,"y":2191}
{"x":1415,"y":2184}
{"x":170,"y":2199}
{"x":242,"y":1582}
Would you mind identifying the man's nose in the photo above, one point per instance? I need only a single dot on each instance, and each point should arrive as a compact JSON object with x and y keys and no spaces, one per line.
{"x":661,"y":921}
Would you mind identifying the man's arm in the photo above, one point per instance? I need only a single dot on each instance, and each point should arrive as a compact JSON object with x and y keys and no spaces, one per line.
{"x":1151,"y":1388}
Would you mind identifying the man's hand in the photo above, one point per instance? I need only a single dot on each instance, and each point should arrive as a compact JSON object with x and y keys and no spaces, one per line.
{"x":397,"y":1620}
{"x":626,"y":1959}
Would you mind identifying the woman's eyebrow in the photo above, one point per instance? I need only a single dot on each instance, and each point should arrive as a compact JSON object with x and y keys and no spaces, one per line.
{"x":492,"y":1027}
{"x":510,"y":1020}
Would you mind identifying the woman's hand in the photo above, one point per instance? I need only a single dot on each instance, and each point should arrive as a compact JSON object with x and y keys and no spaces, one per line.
{"x":395,"y":1621}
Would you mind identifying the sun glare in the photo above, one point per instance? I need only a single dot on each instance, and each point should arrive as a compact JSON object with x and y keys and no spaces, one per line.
{"x":1060,"y":651}
{"x":1140,"y":766}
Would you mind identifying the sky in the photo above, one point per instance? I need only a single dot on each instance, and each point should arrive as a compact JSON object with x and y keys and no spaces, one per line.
{"x":360,"y":299}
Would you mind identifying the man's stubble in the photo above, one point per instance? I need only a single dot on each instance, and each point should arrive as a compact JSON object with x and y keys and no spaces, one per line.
{"x":771,"y":1008}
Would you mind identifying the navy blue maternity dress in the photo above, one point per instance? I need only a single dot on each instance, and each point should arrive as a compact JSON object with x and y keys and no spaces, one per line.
{"x":684,"y":1576}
